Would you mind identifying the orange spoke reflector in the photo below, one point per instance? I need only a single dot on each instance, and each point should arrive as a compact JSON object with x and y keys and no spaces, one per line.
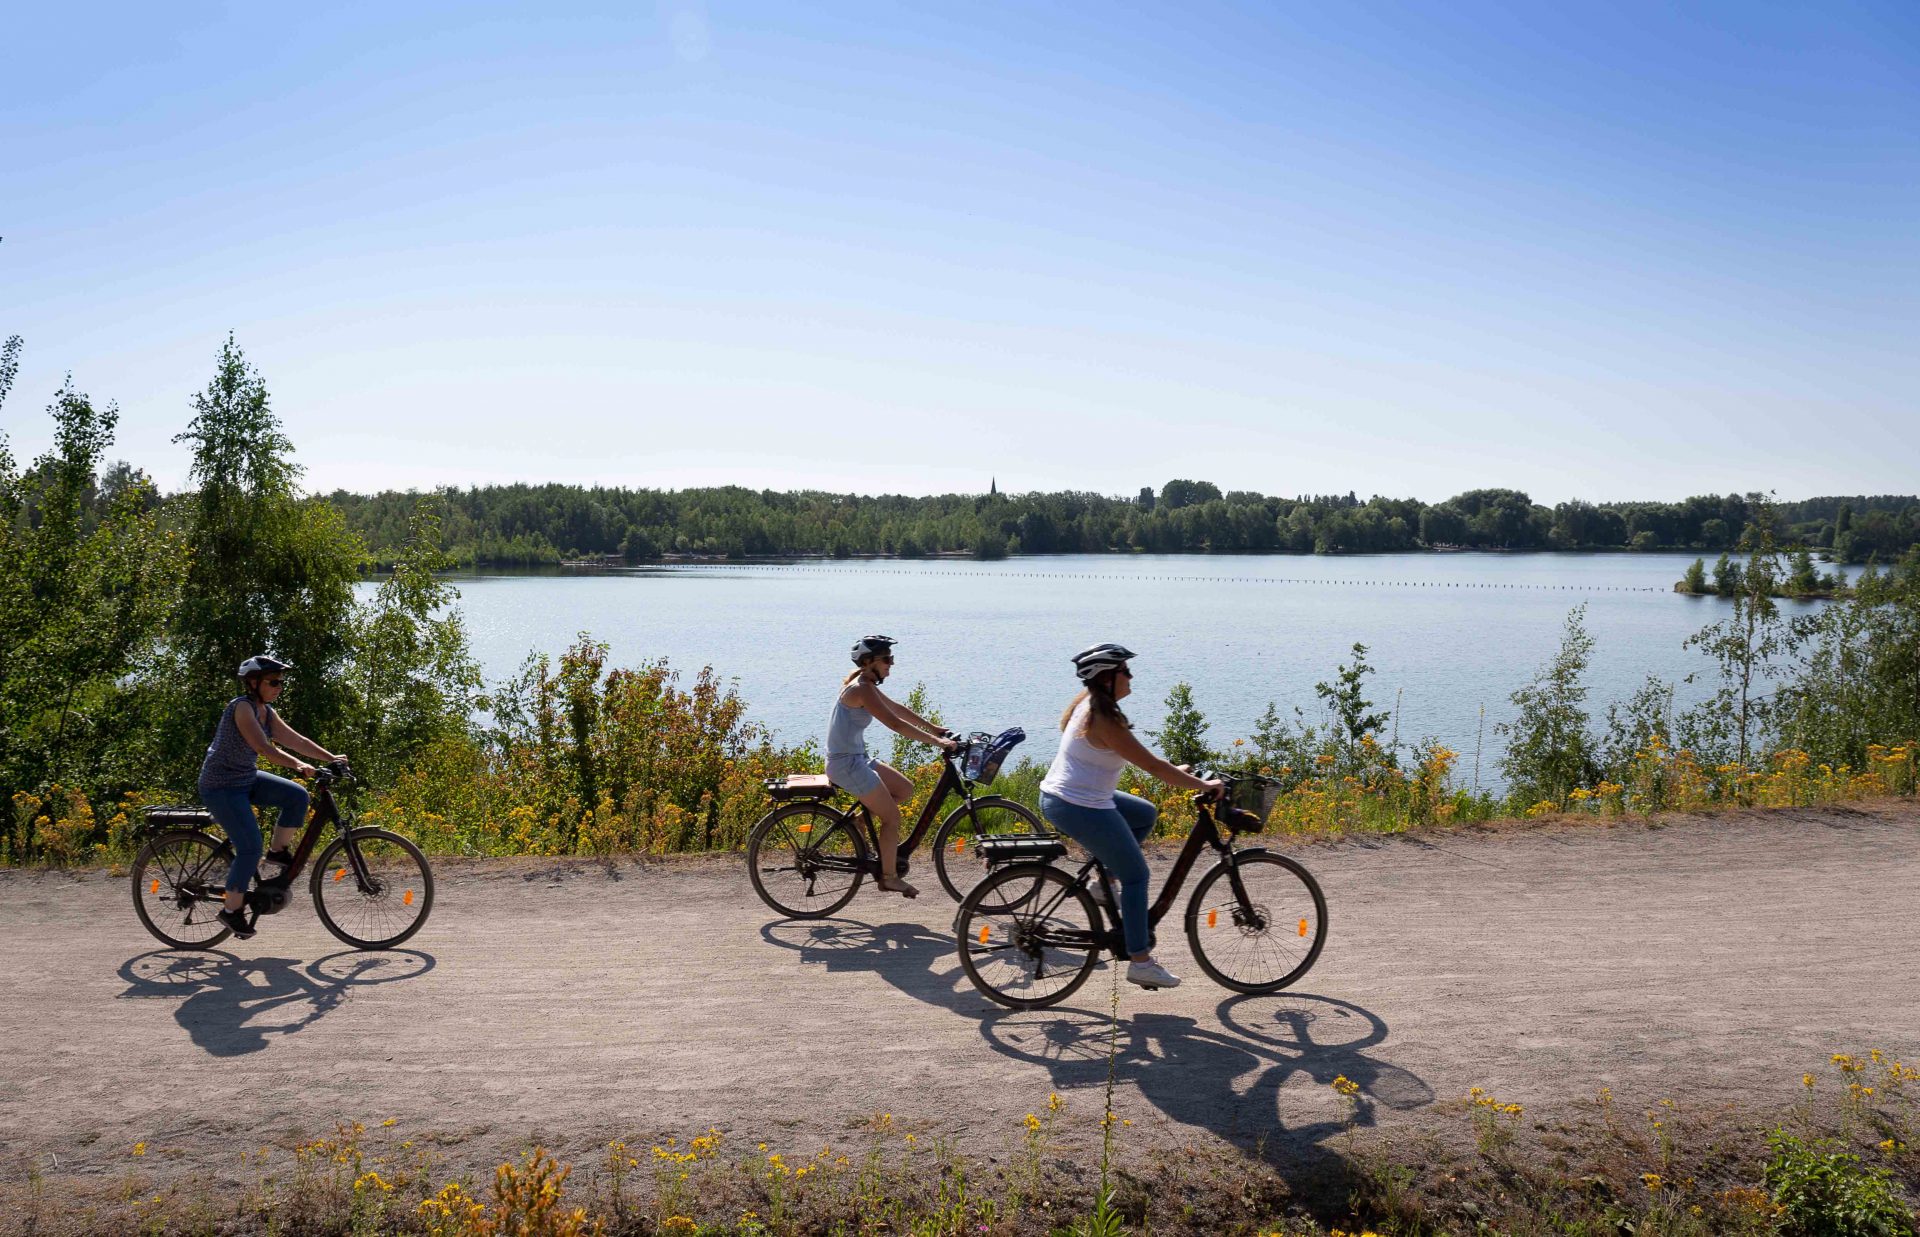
{"x":1303,"y":927}
{"x":983,"y":934}
{"x":1213,"y":918}
{"x":155,"y":887}
{"x":803,"y":828}
{"x":340,"y":874}
{"x":408,"y":899}
{"x":959,"y":843}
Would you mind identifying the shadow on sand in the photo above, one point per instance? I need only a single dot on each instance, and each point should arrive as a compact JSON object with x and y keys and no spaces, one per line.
{"x":234,"y":1006}
{"x":1224,"y":1078}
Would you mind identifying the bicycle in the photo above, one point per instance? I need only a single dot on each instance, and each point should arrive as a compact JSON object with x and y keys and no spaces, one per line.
{"x":807,"y":857}
{"x":1256,"y":921}
{"x":179,"y":877}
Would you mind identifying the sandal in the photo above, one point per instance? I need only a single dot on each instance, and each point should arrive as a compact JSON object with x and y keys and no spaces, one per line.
{"x":893,"y":884}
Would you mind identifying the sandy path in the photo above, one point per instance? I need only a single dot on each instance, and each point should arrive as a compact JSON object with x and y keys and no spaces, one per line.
{"x":1712,"y":957}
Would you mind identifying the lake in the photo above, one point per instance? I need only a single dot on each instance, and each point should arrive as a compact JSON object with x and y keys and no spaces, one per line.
{"x":1447,"y":633}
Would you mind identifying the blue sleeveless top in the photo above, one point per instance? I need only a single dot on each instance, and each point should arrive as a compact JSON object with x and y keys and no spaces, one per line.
{"x":847,"y":730}
{"x":231,"y":761}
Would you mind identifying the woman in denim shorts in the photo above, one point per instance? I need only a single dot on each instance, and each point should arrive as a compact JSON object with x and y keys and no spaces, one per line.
{"x":881,"y":787}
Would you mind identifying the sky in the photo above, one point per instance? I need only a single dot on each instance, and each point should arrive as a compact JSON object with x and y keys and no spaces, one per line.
{"x":1596,"y":250}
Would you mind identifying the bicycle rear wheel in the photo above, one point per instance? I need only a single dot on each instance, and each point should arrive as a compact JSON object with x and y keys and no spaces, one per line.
{"x":1029,"y":936}
{"x":805,"y":860}
{"x":956,"y":854}
{"x":178,"y":879}
{"x":378,"y":901}
{"x":1265,"y":940}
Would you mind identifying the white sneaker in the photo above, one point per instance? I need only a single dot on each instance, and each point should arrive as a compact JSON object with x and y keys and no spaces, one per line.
{"x":1098,"y":892}
{"x":1151,"y":975}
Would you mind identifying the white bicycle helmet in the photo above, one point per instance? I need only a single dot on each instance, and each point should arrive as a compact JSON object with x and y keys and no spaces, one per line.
{"x":1099,"y":659}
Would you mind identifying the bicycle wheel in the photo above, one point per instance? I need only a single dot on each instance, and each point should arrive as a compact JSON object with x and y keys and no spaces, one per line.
{"x":378,"y":902}
{"x":178,"y":879}
{"x":805,"y":860}
{"x":956,"y":855}
{"x":1265,"y":941}
{"x":1029,"y":936}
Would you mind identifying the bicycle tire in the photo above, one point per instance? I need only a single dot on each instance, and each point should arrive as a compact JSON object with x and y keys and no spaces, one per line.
{"x":177,"y":888}
{"x":1241,"y":946}
{"x":1005,"y":951}
{"x":965,"y":825}
{"x":819,"y":840}
{"x":399,"y":896}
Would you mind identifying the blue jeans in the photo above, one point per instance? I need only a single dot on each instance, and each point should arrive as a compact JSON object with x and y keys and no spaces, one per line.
{"x":1114,"y":835}
{"x":232,"y":806}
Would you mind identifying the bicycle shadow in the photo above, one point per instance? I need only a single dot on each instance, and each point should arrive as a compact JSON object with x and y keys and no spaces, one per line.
{"x":1227,"y":1080}
{"x":231,"y":1006}
{"x":906,"y":954}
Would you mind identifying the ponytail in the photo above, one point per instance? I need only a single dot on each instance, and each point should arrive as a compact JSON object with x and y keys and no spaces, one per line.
{"x":1098,"y":696}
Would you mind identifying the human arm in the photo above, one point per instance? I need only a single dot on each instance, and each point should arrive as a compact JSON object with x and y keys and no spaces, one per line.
{"x":900,"y":719}
{"x":933,"y":726}
{"x":256,"y":737}
{"x":297,"y":742}
{"x":1118,"y":738}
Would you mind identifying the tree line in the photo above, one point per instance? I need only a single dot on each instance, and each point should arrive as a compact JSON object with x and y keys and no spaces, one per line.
{"x":524,"y":525}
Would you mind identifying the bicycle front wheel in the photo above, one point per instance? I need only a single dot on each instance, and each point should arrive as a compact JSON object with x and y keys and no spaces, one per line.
{"x":178,"y":879}
{"x":373,"y":888}
{"x":956,"y":849}
{"x":1264,"y":931}
{"x":805,"y":860}
{"x":1029,"y":936}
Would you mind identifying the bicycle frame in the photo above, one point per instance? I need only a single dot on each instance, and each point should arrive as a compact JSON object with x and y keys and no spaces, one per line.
{"x":1206,"y":833}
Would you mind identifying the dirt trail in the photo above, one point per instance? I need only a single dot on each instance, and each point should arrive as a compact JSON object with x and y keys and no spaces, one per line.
{"x":570,"y":1002}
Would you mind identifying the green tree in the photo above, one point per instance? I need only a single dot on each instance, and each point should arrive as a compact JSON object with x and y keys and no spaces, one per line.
{"x":1726,"y":577}
{"x":1695,"y":579}
{"x":267,"y":571}
{"x":1549,"y":750}
{"x":1183,"y":731}
{"x":1353,"y":718}
{"x":1743,"y":648}
{"x":83,"y":597}
{"x":413,"y":677}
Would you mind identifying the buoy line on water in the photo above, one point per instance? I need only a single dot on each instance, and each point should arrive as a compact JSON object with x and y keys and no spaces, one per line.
{"x":978,"y":573}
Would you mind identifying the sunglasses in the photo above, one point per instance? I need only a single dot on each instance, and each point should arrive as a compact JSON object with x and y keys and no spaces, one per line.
{"x":273,"y":682}
{"x":887,"y":657}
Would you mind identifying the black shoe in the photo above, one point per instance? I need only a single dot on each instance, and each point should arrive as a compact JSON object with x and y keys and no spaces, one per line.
{"x":236,"y":922}
{"x":282,"y":857}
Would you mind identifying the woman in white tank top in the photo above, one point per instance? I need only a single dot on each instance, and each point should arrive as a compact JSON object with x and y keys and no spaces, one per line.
{"x":1080,"y":795}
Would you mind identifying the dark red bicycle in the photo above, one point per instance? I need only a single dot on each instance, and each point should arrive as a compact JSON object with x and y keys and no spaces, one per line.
{"x":373,"y":888}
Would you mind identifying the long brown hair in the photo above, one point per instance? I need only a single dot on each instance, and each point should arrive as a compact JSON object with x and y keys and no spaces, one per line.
{"x":859,"y":668}
{"x":1098,"y":693}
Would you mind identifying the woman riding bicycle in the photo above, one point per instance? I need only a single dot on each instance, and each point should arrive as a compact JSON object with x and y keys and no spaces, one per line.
{"x":1080,"y":795}
{"x":231,"y":782}
{"x":880,"y":787}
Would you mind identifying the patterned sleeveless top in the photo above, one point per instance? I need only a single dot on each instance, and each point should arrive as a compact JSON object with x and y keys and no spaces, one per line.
{"x":231,"y":761}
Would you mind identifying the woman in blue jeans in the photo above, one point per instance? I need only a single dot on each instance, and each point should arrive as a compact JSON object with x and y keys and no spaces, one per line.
{"x":1080,"y":795}
{"x":231,"y":783}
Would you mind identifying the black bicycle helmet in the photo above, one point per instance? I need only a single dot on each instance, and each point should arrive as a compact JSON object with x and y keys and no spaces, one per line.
{"x":263,"y":663}
{"x":1099,"y":659}
{"x":868,"y":646}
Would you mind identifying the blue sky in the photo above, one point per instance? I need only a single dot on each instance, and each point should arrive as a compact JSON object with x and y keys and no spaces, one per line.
{"x":1600,"y":250}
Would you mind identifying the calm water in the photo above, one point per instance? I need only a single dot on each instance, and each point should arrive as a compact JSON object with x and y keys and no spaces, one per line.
{"x":1447,"y":633}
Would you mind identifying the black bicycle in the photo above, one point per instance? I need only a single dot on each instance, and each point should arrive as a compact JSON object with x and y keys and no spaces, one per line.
{"x":1030,"y":934}
{"x":373,"y":888}
{"x":807,"y":857}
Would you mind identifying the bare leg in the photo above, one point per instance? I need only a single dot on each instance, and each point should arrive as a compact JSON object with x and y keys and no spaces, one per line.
{"x":884,"y":802}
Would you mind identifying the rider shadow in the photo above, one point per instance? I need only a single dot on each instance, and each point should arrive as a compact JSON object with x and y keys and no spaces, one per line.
{"x":1226,"y":1079}
{"x":231,"y":1006}
{"x":1229,"y":1079}
{"x":907,"y":955}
